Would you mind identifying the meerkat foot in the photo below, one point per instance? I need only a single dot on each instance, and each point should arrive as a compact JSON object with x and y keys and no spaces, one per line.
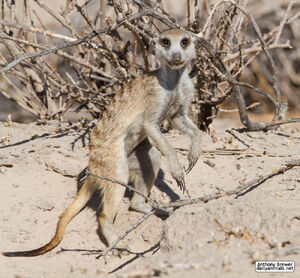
{"x":116,"y":252}
{"x":120,"y":249}
{"x":145,"y":208}
{"x":141,"y":207}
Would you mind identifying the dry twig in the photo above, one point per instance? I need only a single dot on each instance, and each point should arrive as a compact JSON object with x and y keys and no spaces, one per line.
{"x":204,"y":199}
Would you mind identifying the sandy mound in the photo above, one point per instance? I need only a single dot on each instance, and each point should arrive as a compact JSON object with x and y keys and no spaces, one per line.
{"x":220,"y":238}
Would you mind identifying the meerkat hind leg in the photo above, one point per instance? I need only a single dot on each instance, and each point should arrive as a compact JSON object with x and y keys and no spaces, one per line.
{"x":112,"y":194}
{"x":110,"y":206}
{"x":137,"y":202}
{"x":144,"y":164}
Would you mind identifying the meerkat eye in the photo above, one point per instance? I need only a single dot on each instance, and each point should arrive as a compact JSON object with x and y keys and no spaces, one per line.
{"x":165,"y":42}
{"x":185,"y":42}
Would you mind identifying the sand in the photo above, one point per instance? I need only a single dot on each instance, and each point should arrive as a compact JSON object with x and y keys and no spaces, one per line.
{"x":220,"y":238}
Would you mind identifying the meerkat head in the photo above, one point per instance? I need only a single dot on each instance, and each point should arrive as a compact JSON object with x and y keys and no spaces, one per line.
{"x":175,"y":48}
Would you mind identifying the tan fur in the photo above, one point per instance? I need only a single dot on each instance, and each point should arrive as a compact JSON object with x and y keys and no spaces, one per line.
{"x":125,"y":143}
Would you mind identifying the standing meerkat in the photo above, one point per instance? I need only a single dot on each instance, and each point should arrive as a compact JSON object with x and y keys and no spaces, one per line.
{"x":127,"y":141}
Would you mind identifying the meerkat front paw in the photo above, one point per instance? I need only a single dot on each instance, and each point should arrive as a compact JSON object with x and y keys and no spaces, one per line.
{"x":178,"y":175}
{"x":192,"y":159}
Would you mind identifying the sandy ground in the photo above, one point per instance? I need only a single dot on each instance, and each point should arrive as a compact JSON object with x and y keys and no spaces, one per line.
{"x":220,"y":238}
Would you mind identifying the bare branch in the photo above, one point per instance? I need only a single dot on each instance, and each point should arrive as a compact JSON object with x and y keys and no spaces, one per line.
{"x":269,"y":57}
{"x":283,"y":21}
{"x":86,"y":38}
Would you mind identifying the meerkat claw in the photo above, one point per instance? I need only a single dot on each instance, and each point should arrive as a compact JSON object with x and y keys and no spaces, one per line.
{"x":181,"y":184}
{"x":191,"y":166}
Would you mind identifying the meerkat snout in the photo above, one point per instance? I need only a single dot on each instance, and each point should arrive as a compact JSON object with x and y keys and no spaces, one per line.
{"x":176,"y":57}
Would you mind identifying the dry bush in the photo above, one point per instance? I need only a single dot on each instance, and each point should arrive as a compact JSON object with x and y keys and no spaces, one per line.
{"x":80,"y":67}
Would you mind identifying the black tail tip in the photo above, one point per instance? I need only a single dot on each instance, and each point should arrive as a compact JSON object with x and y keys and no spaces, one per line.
{"x":14,"y":254}
{"x":8,"y":254}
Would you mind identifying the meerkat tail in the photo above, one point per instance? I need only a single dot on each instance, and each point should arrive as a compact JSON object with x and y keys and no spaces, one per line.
{"x":77,"y":205}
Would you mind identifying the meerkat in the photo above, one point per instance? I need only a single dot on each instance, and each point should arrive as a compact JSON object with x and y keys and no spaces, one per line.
{"x":127,"y":141}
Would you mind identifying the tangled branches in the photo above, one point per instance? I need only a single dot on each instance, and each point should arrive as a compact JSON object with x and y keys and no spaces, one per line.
{"x":113,"y":46}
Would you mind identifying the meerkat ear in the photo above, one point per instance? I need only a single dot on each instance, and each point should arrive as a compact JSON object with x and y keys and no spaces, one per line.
{"x":194,"y":37}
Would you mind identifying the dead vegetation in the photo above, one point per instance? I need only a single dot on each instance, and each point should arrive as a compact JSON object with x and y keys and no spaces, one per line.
{"x":50,"y":73}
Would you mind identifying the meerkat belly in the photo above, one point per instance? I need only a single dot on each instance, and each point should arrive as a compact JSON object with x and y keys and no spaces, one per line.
{"x":134,"y":134}
{"x":172,"y":111}
{"x":173,"y":105}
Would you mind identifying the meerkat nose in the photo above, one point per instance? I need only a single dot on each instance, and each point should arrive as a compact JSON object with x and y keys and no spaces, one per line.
{"x":176,"y":56}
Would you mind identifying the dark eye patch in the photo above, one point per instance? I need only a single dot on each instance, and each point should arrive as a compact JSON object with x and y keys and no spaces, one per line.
{"x":165,"y":42}
{"x":185,"y":42}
